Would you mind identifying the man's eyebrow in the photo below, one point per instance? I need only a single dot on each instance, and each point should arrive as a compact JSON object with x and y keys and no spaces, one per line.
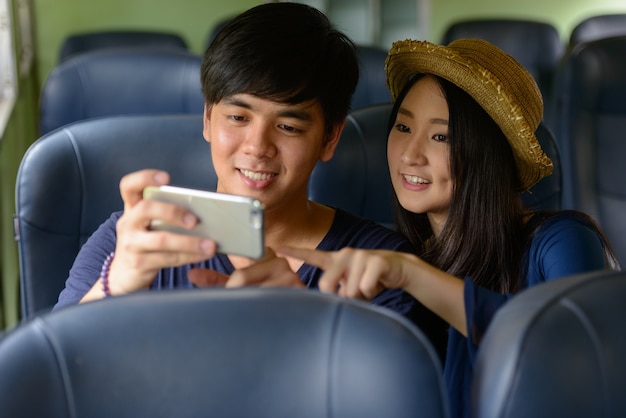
{"x":233,"y":101}
{"x":299,"y":114}
{"x":294,"y":113}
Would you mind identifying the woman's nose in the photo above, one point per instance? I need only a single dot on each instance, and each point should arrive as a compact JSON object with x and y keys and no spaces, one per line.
{"x":413,"y":152}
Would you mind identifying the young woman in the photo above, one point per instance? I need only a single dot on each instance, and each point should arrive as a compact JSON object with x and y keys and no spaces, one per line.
{"x":461,"y":148}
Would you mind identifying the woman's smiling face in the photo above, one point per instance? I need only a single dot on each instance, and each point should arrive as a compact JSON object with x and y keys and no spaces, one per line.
{"x":418,"y":152}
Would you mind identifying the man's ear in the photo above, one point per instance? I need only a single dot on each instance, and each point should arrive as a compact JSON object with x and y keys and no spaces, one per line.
{"x":206,"y":120}
{"x":331,"y":141}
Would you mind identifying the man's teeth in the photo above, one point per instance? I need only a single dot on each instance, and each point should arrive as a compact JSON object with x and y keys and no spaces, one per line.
{"x":253,"y":175}
{"x":415,"y":180}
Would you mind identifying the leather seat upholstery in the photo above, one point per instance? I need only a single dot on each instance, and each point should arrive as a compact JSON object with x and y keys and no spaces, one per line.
{"x":79,"y":43}
{"x":598,"y":27}
{"x":357,"y":177}
{"x":556,"y":350}
{"x":68,"y":184}
{"x":372,"y":88}
{"x":248,"y":352}
{"x":122,"y":81}
{"x":589,"y":125}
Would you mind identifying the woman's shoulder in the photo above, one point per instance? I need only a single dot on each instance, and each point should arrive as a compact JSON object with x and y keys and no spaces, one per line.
{"x":567,"y":227}
{"x":542,"y":221}
{"x":565,"y":242}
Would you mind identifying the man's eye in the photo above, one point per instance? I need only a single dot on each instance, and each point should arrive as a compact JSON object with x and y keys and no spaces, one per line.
{"x":288,"y":128}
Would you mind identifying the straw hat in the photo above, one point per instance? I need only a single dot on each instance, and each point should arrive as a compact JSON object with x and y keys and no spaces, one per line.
{"x":500,"y":84}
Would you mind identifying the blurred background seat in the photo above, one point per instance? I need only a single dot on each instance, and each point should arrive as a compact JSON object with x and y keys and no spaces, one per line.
{"x":556,"y":350}
{"x":536,"y":45}
{"x":590,"y":121}
{"x":121,"y":81}
{"x":597,"y":27}
{"x":547,"y":193}
{"x":79,"y":43}
{"x":248,"y":352}
{"x":68,"y":184}
{"x":357,"y":177}
{"x":371,"y":88}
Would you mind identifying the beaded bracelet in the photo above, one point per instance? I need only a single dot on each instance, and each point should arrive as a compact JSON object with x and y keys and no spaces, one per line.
{"x":104,"y":274}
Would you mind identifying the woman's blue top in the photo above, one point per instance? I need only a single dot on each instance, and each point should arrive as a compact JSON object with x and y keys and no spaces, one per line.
{"x":564,"y":244}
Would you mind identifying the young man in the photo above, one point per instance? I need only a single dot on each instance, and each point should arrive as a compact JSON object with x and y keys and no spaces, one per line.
{"x":277,"y":82}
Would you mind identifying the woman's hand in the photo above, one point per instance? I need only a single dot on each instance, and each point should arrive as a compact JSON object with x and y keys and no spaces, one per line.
{"x":355,"y":273}
{"x":363,"y":274}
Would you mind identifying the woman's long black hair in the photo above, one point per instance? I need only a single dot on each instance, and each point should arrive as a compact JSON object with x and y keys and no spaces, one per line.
{"x":484,"y":236}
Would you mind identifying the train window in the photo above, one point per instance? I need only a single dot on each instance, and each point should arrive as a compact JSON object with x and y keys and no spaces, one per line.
{"x":7,"y":65}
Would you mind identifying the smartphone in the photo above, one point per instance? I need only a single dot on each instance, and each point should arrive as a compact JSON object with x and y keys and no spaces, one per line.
{"x":235,"y":223}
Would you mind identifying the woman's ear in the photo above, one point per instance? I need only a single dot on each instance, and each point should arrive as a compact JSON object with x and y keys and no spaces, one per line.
{"x":331,"y":141}
{"x":206,"y":120}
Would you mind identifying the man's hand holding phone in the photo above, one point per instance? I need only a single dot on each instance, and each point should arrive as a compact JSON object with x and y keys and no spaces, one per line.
{"x":235,"y":223}
{"x":141,"y":252}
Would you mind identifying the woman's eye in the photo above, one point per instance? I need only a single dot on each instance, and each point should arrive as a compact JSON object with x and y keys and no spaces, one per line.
{"x":440,"y":138}
{"x":402,"y":128}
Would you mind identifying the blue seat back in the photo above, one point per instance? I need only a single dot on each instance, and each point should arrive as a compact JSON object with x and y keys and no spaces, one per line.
{"x":79,"y":43}
{"x":248,"y":352}
{"x":357,"y":177}
{"x":122,"y":81}
{"x":556,"y":350}
{"x":67,"y":185}
{"x":590,"y":119}
{"x":598,"y":27}
{"x":371,"y":88}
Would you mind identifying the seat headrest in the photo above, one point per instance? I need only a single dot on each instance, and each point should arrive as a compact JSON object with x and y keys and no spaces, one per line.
{"x":223,"y":352}
{"x":556,"y":350}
